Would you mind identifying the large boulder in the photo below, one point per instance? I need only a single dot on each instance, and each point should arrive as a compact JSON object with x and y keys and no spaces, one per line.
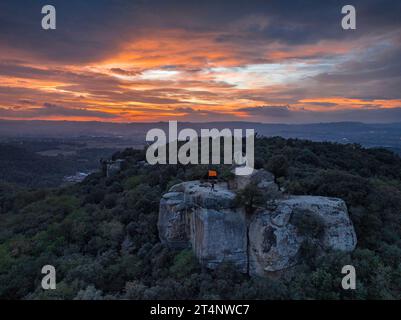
{"x":275,"y":238}
{"x":260,"y":177}
{"x":192,"y":214}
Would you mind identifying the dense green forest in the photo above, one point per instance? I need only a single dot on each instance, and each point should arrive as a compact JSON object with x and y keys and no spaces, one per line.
{"x":101,"y":234}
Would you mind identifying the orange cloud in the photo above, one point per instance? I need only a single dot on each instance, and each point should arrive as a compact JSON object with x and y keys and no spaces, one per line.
{"x":340,"y":103}
{"x":174,"y":74}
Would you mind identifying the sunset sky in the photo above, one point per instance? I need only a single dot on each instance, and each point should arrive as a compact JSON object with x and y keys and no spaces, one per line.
{"x":265,"y":61}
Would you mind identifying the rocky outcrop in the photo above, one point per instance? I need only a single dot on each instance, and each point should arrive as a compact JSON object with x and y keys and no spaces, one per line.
{"x":173,"y":225}
{"x":110,"y":168}
{"x":263,"y":179}
{"x":193,"y":215}
{"x":275,"y":240}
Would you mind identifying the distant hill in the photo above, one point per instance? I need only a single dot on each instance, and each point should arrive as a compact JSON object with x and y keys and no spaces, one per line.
{"x":368,"y":135}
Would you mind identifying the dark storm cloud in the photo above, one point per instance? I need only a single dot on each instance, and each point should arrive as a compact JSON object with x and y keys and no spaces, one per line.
{"x":268,"y":111}
{"x":375,"y":74}
{"x":86,"y":30}
{"x":90,"y":30}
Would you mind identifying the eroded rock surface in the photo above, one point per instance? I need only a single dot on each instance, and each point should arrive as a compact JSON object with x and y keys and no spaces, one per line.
{"x":275,"y":240}
{"x":193,"y":215}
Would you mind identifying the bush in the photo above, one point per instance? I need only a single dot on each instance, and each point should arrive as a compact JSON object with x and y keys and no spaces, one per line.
{"x":308,"y":223}
{"x":184,"y":264}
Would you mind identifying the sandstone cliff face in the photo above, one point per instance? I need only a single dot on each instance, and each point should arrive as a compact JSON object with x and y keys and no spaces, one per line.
{"x":193,"y":215}
{"x":218,"y":236}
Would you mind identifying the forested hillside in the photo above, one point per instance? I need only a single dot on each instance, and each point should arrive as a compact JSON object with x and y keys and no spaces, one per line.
{"x":101,"y":234}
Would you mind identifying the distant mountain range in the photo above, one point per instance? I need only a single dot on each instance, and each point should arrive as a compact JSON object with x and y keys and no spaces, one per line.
{"x":369,"y":135}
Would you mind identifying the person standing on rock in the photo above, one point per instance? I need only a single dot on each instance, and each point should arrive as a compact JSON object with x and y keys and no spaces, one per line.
{"x":212,"y":175}
{"x":212,"y":187}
